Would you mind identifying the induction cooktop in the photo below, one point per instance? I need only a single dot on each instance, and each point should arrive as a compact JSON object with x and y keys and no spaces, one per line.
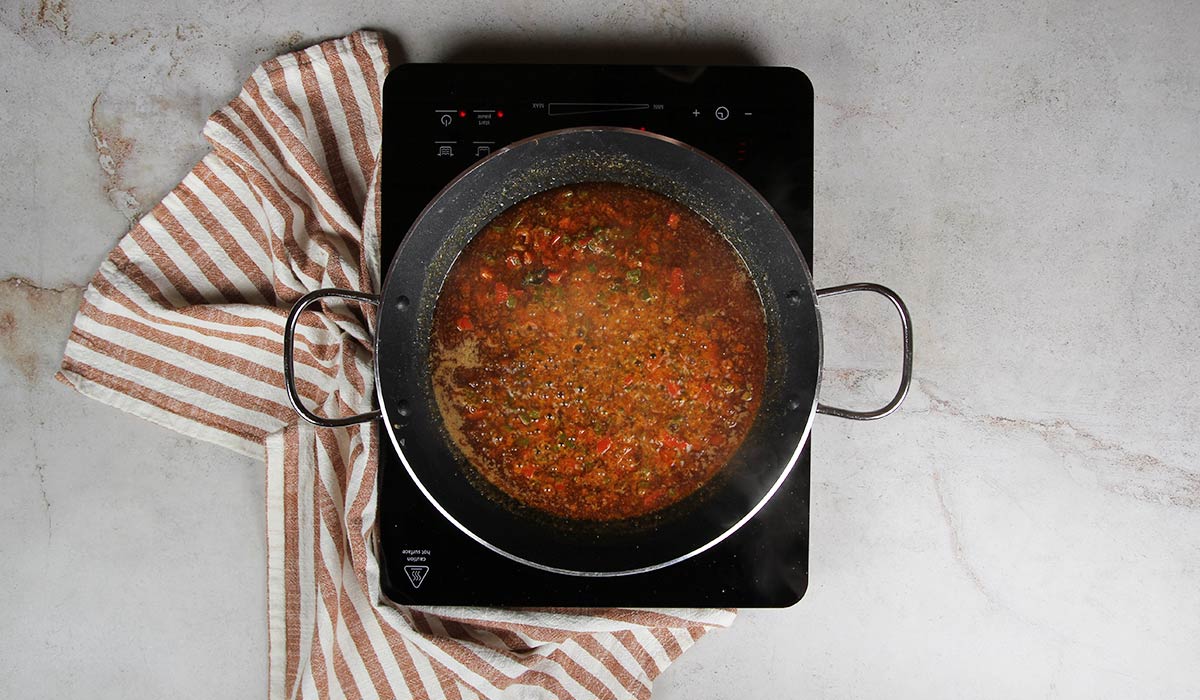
{"x":439,"y":119}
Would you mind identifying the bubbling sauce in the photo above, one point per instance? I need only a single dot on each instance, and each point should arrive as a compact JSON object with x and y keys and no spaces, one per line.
{"x":599,"y":351}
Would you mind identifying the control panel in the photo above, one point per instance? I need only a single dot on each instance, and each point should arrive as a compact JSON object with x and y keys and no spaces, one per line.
{"x":441,"y":118}
{"x":466,"y":133}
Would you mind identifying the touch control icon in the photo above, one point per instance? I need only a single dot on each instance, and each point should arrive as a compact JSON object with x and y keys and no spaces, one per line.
{"x":722,"y":113}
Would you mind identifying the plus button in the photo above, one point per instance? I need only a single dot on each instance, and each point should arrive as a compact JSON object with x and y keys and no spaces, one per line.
{"x":695,"y":112}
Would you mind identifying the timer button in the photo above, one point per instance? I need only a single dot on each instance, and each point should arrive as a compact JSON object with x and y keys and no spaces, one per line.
{"x":722,"y":113}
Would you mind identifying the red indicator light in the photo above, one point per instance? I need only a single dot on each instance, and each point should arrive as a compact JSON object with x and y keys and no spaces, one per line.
{"x":462,"y":114}
{"x":500,"y":113}
{"x":641,"y":128}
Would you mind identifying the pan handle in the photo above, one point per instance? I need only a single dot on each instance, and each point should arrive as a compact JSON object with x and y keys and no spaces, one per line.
{"x":906,"y":373}
{"x":289,"y":369}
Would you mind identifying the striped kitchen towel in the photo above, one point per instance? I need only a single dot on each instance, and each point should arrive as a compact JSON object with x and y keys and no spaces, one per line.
{"x":182,"y":325}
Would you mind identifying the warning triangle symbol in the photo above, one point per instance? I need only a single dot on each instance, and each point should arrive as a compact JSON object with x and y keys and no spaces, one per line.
{"x":416,"y":574}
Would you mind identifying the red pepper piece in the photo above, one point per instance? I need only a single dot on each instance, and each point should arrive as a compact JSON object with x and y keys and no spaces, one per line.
{"x":673,"y":443}
{"x":501,"y":293}
{"x":604,"y":445}
{"x":672,"y":389}
{"x":464,"y":324}
{"x":675,"y":283}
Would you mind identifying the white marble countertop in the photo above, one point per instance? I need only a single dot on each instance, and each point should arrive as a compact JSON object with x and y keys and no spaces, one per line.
{"x":1025,"y":175}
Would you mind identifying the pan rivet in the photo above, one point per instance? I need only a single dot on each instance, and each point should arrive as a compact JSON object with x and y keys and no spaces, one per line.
{"x":403,"y":409}
{"x":402,"y":303}
{"x":793,"y":296}
{"x":793,"y":403}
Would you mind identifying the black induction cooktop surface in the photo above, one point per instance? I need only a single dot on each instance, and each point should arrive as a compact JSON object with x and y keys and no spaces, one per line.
{"x":441,"y":118}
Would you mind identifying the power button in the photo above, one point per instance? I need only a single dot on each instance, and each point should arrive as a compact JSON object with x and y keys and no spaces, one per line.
{"x":722,"y":113}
